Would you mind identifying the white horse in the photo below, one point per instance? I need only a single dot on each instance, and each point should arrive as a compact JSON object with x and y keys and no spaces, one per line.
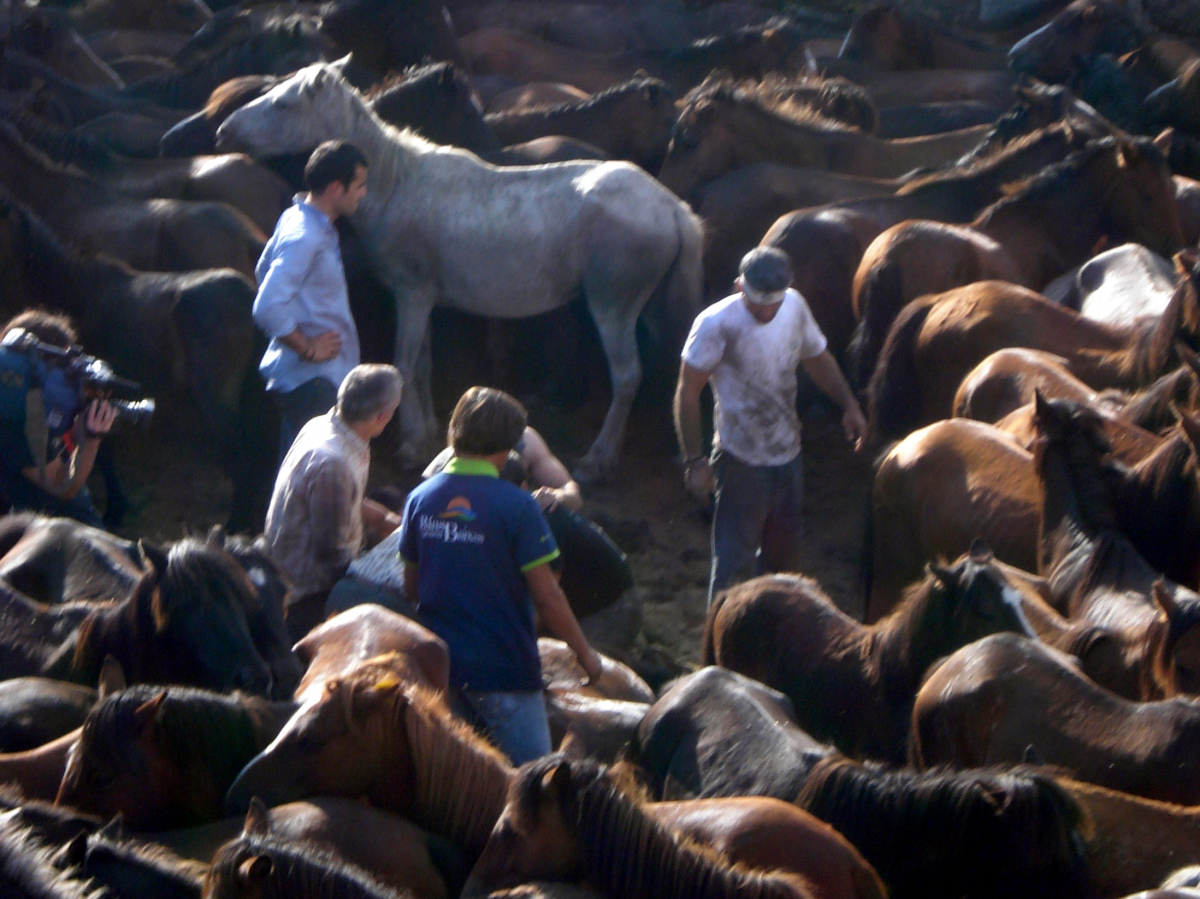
{"x":444,"y":228}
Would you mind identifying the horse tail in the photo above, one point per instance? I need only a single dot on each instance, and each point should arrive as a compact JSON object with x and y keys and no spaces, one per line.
{"x":708,"y":652}
{"x":894,"y":393}
{"x":685,"y":278}
{"x":879,"y":302}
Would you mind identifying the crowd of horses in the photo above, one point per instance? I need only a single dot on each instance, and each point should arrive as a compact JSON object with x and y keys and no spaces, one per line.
{"x":992,"y":215}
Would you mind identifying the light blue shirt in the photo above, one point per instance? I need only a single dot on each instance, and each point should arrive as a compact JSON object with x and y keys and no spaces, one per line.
{"x":301,"y":284}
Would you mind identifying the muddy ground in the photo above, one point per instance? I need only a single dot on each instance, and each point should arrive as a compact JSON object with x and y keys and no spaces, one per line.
{"x":176,"y":487}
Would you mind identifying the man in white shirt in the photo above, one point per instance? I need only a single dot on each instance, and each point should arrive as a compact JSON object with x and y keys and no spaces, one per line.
{"x":749,"y":346}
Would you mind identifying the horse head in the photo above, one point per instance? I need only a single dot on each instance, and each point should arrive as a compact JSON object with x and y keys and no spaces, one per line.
{"x":347,"y":739}
{"x":201,"y":601}
{"x":313,"y":105}
{"x":701,"y":145}
{"x":1082,"y":29}
{"x":975,"y":598}
{"x":1141,"y":206}
{"x":437,"y":102}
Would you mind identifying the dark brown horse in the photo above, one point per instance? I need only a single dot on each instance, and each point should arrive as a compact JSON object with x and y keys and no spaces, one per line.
{"x":722,"y":128}
{"x":153,"y":235}
{"x":936,"y":341}
{"x":889,"y":36}
{"x":130,"y":867}
{"x":990,"y":701}
{"x":569,"y":821}
{"x":853,"y":685}
{"x":826,"y":244}
{"x":630,"y":121}
{"x":26,"y":869}
{"x":940,"y":834}
{"x":46,"y":34}
{"x":1083,"y":29}
{"x":1094,"y":571}
{"x":1111,"y":191}
{"x":165,"y":757}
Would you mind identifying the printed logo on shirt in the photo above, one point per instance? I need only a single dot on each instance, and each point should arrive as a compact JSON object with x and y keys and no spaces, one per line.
{"x":447,"y":531}
{"x":459,"y":508}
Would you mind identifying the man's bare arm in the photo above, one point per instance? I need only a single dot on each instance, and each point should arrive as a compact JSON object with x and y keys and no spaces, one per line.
{"x":555,"y":613}
{"x":824,"y":371}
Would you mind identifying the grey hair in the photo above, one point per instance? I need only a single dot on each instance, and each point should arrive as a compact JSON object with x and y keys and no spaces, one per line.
{"x":368,"y":390}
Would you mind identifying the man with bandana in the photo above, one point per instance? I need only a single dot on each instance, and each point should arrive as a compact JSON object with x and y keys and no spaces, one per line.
{"x":749,"y":347}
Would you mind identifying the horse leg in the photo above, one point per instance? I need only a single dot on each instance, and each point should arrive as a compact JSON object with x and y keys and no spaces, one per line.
{"x":418,"y":440}
{"x":618,"y":335}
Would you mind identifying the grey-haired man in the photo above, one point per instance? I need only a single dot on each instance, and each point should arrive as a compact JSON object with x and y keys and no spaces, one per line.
{"x":749,"y":346}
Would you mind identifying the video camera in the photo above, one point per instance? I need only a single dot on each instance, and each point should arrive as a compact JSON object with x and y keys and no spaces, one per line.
{"x":71,"y":379}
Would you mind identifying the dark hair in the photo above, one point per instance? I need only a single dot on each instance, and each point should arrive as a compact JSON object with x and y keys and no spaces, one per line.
{"x":56,"y":330}
{"x":766,"y":269}
{"x":486,"y":421}
{"x":334,"y":160}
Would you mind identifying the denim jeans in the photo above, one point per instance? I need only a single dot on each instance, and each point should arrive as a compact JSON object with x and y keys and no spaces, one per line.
{"x":516,"y":723}
{"x":758,"y":522}
{"x":298,"y":407}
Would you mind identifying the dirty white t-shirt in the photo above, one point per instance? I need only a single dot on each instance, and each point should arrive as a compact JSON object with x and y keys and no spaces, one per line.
{"x":753,"y":369}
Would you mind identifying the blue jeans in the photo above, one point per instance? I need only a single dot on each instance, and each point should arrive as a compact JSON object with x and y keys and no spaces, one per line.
{"x":299,"y":406}
{"x":516,"y":723}
{"x":758,"y":522}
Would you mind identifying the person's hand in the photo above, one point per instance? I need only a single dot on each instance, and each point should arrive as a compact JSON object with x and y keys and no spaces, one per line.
{"x":855,"y":426}
{"x":547,"y":497}
{"x":698,"y":479}
{"x":324,"y":347}
{"x":99,"y":419}
{"x":593,"y":665}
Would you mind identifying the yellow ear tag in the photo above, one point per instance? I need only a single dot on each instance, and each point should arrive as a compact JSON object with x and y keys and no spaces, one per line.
{"x":387,"y":681}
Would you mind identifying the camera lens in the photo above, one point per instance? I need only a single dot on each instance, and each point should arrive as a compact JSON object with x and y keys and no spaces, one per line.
{"x":134,"y":413}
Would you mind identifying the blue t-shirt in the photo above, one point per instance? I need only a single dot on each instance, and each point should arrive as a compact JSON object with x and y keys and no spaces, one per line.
{"x":473,"y":537}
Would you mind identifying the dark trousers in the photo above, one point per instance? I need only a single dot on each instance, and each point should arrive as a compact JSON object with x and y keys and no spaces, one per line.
{"x":299,"y":406}
{"x":758,"y":522}
{"x":24,"y":495}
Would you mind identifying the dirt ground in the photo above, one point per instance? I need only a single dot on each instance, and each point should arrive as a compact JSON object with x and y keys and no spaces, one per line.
{"x":176,"y":487}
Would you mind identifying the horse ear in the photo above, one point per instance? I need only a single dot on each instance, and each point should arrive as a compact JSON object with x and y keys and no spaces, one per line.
{"x":114,"y":830}
{"x":942,"y":573}
{"x":1031,"y":756}
{"x":155,"y":558}
{"x":557,"y":780}
{"x":1185,"y":260}
{"x":216,"y":536}
{"x":1163,"y":141}
{"x":74,"y":853}
{"x":253,"y":871}
{"x":112,"y":677}
{"x":258,"y":818}
{"x":1164,"y":599}
{"x":1042,"y":413}
{"x":980,"y":551}
{"x":340,"y":65}
{"x":145,"y":713}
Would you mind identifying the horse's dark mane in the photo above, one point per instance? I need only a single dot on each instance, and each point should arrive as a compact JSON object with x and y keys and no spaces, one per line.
{"x":611,"y":95}
{"x":892,"y":637}
{"x":166,"y":865}
{"x":298,"y":869}
{"x":26,"y":871}
{"x":985,"y":165}
{"x":229,"y":95}
{"x":1093,"y":472}
{"x":894,"y":816}
{"x":719,"y":43}
{"x":626,"y":853}
{"x":723,"y":89}
{"x":53,"y":824}
{"x":198,"y":571}
{"x":202,"y":730}
{"x":1151,"y":408}
{"x":410,"y":76}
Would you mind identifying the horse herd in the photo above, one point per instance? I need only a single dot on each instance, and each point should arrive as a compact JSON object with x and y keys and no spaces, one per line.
{"x":992,"y":216}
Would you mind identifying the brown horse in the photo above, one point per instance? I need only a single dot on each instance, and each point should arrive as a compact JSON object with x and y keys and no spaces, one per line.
{"x":936,"y":341}
{"x":1081,"y":30}
{"x":750,"y":52}
{"x":1131,"y":843}
{"x":47,"y":35}
{"x":165,"y":758}
{"x":722,"y":128}
{"x":889,"y":36}
{"x":569,"y":821}
{"x":1094,"y":571}
{"x":370,"y":734}
{"x":826,"y":244}
{"x":1111,"y":191}
{"x":630,"y":121}
{"x":27,"y":870}
{"x":990,"y":701}
{"x":152,"y":235}
{"x":854,"y":685}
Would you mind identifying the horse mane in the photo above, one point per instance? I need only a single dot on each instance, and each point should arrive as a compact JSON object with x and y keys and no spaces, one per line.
{"x":35,"y":157}
{"x":200,"y":572}
{"x":626,"y":853}
{"x":410,"y":141}
{"x":165,"y":864}
{"x":26,"y":870}
{"x":835,"y":98}
{"x":986,"y":164}
{"x":230,"y":95}
{"x":297,"y":869}
{"x":963,"y":817}
{"x":1092,"y":468}
{"x":52,"y":823}
{"x":720,"y":87}
{"x":60,"y":144}
{"x":608,"y":96}
{"x":202,"y":730}
{"x":414,"y":73}
{"x":892,"y":637}
{"x":732,"y":40}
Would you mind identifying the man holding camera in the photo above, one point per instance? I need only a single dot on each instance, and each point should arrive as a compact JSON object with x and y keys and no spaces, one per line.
{"x":302,"y":301}
{"x":47,"y":451}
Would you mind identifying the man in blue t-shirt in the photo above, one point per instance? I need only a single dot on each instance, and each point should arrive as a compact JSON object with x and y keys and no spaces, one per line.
{"x":476,"y":552}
